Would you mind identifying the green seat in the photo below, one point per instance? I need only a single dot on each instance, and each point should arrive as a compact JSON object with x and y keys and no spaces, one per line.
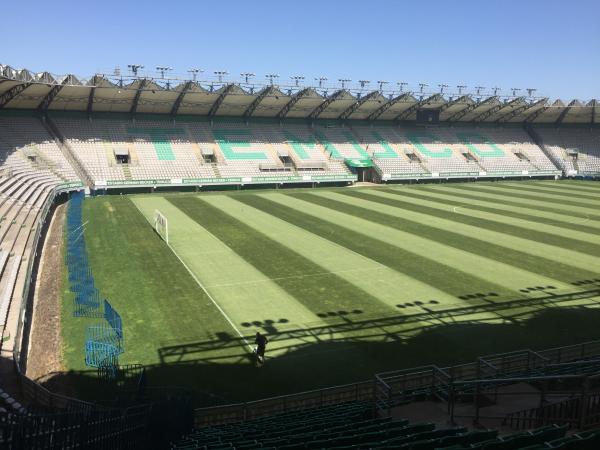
{"x":469,"y":438}
{"x":408,"y":430}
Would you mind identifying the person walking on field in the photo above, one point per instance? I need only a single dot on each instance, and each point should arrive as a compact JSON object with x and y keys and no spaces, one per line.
{"x":261,"y":345}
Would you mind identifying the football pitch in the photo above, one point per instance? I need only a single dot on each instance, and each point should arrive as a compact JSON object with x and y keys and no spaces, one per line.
{"x":345,"y":282}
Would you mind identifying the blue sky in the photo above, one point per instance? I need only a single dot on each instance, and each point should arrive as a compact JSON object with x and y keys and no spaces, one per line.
{"x":550,"y":45}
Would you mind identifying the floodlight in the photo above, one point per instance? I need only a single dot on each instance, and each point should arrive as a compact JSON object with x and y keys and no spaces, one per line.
{"x":460,"y":88}
{"x":344,"y":81}
{"x":220,"y":74}
{"x":247,"y":76}
{"x":381,"y":83}
{"x":401,"y":84}
{"x":320,"y":80}
{"x":195,"y":73}
{"x":480,"y":88}
{"x":530,"y":91}
{"x":297,"y":79}
{"x":514,"y":91}
{"x":363,"y":83}
{"x":271,"y":77}
{"x":134,"y":68}
{"x":442,"y":86}
{"x":163,"y":70}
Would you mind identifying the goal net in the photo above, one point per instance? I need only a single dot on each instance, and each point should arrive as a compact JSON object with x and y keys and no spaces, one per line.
{"x":161,"y":225}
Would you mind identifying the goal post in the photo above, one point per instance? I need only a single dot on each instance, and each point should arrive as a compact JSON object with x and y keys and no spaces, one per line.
{"x":161,"y":225}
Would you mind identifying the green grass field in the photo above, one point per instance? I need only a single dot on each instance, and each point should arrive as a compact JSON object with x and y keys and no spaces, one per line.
{"x":346,"y":282}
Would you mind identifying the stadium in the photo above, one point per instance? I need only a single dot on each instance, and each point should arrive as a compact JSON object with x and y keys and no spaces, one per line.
{"x":210,"y":262}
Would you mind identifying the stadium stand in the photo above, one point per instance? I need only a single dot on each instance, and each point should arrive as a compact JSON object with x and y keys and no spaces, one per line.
{"x":350,"y":426}
{"x":577,"y":151}
{"x":33,"y":167}
{"x":114,"y":152}
{"x":192,"y":152}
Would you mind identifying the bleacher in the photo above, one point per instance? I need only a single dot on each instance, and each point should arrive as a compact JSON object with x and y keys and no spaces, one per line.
{"x":231,"y":151}
{"x":32,"y":165}
{"x":577,"y":151}
{"x":351,"y":425}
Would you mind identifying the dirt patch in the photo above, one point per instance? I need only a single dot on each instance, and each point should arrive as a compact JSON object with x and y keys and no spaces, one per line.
{"x":45,"y":345}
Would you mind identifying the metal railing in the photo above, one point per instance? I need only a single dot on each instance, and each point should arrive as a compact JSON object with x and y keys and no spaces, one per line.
{"x":362,"y":391}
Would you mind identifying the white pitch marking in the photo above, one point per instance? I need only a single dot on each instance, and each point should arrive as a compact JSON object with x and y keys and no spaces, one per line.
{"x":214,"y":302}
{"x":212,"y":299}
{"x":318,"y":274}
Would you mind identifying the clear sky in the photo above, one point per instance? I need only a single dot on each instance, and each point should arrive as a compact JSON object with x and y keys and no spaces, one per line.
{"x":551,"y":45}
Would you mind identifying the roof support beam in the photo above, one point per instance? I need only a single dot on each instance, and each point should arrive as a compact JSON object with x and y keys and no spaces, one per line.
{"x":407,"y":112}
{"x":90,"y":104}
{"x":50,"y":96}
{"x":456,"y":101}
{"x":494,"y":109}
{"x":361,"y":101}
{"x":179,"y":98}
{"x":537,"y":113}
{"x":562,"y":115}
{"x":6,"y":97}
{"x":472,"y":107}
{"x":594,"y":103}
{"x":138,"y":94}
{"x":387,"y":105}
{"x":261,"y":96}
{"x":217,"y":104}
{"x":328,"y":101}
{"x":289,"y":105}
{"x":520,"y":110}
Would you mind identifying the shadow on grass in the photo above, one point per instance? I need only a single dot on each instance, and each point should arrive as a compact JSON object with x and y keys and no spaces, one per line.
{"x":327,"y":356}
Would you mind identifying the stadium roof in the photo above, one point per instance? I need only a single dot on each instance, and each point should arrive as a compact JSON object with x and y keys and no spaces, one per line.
{"x":22,"y":89}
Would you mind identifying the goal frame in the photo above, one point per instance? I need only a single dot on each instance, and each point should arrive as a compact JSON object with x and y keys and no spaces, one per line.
{"x":160,"y":220}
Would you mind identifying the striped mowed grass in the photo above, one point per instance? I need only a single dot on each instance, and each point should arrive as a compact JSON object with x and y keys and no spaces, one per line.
{"x":345,"y":282}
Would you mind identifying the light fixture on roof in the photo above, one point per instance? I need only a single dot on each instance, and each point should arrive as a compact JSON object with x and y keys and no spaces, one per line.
{"x":195,"y":73}
{"x":495,"y":90}
{"x":422,"y":86}
{"x":460,"y":88}
{"x":514,"y":91}
{"x":163,"y":70}
{"x":530,"y":91}
{"x":272,"y":77}
{"x":134,"y":68}
{"x":220,"y":74}
{"x":381,"y":83}
{"x":442,"y":87}
{"x":401,"y":84}
{"x":247,"y":76}
{"x":344,"y":81}
{"x":297,"y":79}
{"x":320,"y":80}
{"x":478,"y":89}
{"x":363,"y":83}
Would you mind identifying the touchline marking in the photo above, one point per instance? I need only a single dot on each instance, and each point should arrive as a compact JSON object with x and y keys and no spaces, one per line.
{"x":204,"y":288}
{"x":212,"y":299}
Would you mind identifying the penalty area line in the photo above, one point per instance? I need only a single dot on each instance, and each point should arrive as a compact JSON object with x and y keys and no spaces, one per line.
{"x":251,"y":349}
{"x":199,"y":283}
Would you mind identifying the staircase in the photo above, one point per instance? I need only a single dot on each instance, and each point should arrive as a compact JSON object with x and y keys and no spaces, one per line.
{"x":67,"y":151}
{"x":540,"y":143}
{"x":126,"y":171}
{"x":215,"y":169}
